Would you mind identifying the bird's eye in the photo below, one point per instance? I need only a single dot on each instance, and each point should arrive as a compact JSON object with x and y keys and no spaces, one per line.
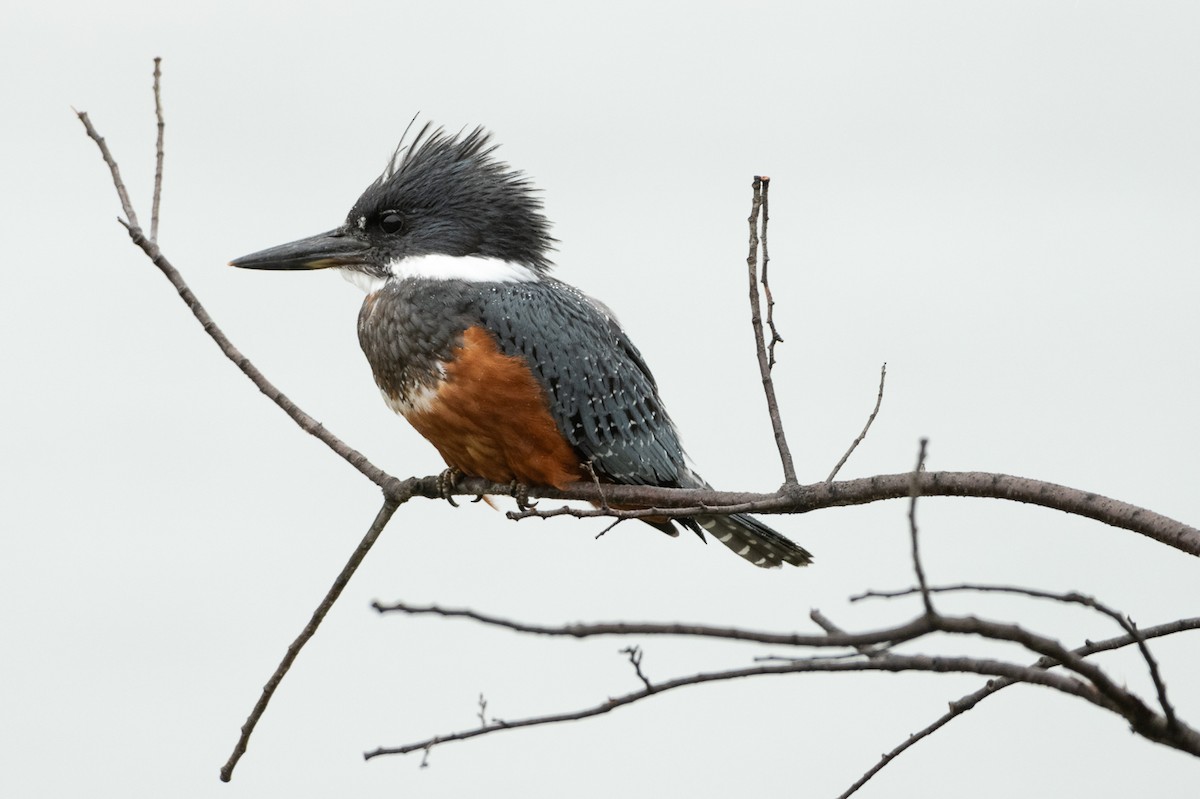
{"x":391,"y":222}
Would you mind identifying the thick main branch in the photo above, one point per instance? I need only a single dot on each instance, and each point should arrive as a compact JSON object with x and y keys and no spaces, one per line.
{"x":816,"y":496}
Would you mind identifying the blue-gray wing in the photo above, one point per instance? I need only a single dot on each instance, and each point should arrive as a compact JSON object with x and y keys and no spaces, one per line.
{"x":600,"y":391}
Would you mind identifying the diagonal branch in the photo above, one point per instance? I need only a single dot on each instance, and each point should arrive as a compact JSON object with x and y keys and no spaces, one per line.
{"x":870,"y":420}
{"x":1071,"y":597}
{"x":343,"y":578}
{"x":115,"y":170}
{"x":306,"y":422}
{"x":968,"y":702}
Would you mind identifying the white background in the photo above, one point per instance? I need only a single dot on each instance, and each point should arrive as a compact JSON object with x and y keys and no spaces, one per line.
{"x":998,"y":199}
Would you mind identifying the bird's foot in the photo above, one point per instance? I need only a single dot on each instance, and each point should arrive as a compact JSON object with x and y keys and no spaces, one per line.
{"x":445,"y":484}
{"x":520,"y":492}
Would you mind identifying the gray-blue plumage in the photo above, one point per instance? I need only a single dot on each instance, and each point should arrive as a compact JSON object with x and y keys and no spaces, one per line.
{"x":600,"y":390}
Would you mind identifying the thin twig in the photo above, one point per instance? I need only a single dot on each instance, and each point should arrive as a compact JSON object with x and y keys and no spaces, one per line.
{"x":766,"y":283}
{"x":826,"y":624}
{"x":893,"y":663}
{"x":591,"y":470}
{"x":890,"y":635}
{"x":866,"y":427}
{"x":307,"y":423}
{"x":364,"y":546}
{"x":965,"y":703}
{"x":912,"y":529}
{"x":796,"y":659}
{"x":123,"y":195}
{"x":158,"y":151}
{"x":635,"y":658}
{"x":764,"y":366}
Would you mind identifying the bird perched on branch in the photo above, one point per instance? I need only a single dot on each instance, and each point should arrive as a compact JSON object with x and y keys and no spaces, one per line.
{"x":512,"y":375}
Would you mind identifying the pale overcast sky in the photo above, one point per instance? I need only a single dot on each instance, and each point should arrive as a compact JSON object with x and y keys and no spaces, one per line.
{"x":1001,"y":200}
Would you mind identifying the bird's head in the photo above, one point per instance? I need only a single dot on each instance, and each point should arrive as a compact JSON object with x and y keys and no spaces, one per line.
{"x":444,"y":208}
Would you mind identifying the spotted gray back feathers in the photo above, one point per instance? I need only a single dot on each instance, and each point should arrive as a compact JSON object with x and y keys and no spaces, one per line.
{"x":600,"y":391}
{"x":606,"y":403}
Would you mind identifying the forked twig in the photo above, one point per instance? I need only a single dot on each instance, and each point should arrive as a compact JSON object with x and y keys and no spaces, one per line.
{"x":152,"y":251}
{"x":766,"y":283}
{"x":1095,"y":687}
{"x":965,"y":703}
{"x":1070,"y":597}
{"x":764,"y":362}
{"x":635,"y":659}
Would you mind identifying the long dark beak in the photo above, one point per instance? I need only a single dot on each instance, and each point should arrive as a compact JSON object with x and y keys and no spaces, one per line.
{"x":333,"y":248}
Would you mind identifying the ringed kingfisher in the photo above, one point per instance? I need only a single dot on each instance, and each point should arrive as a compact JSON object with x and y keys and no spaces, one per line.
{"x":511,"y":374}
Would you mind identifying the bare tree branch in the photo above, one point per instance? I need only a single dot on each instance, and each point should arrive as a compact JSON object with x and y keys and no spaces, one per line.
{"x":764,"y":365}
{"x":894,"y":664}
{"x":968,"y":702}
{"x":766,"y":283}
{"x":677,"y":502}
{"x":306,"y":422}
{"x":826,"y":624}
{"x":158,"y":151}
{"x":119,"y":184}
{"x":870,"y":420}
{"x":1183,"y":738}
{"x":912,"y":528}
{"x":635,"y":659}
{"x":343,"y":578}
{"x":1099,"y":689}
{"x":1071,"y":597}
{"x":890,"y":635}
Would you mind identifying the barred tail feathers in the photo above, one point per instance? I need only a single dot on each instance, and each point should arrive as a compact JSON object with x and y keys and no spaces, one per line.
{"x":754,"y":541}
